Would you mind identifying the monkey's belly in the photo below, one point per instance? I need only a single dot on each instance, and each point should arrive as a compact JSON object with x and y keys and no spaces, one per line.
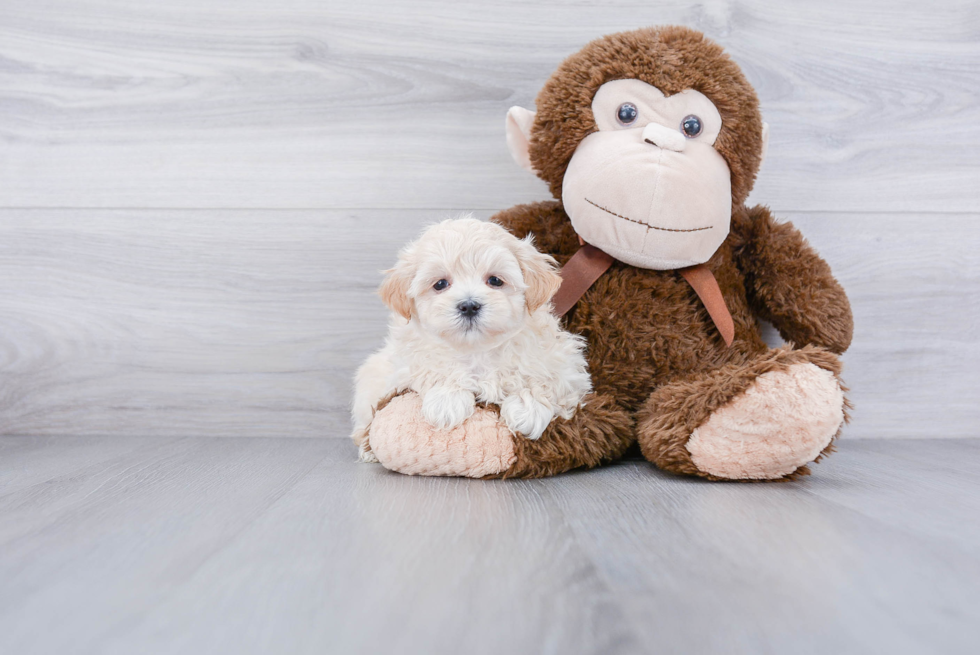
{"x":645,"y":328}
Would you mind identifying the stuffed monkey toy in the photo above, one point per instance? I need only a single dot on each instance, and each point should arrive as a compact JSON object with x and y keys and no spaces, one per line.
{"x":650,"y":142}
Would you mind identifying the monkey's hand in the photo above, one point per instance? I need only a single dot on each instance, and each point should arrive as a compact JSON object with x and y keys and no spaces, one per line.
{"x":788,"y":284}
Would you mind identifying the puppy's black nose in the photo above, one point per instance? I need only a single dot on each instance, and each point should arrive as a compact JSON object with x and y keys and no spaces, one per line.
{"x":469,"y":308}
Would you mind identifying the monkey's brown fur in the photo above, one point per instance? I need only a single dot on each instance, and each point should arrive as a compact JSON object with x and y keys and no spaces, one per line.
{"x":595,"y":436}
{"x":658,"y":364}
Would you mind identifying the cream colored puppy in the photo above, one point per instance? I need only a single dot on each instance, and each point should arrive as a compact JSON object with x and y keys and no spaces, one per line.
{"x":471,"y":322}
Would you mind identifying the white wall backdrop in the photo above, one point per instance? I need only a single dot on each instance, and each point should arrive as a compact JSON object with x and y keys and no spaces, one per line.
{"x":196,"y":196}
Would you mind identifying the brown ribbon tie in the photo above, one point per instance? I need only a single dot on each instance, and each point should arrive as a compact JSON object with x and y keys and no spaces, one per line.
{"x":589,"y":263}
{"x":706,"y":286}
{"x":578,"y":275}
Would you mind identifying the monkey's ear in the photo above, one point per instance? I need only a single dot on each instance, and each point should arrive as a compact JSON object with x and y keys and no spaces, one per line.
{"x":394,"y":288}
{"x":540,"y":273}
{"x":519,"y":121}
{"x":765,"y":143}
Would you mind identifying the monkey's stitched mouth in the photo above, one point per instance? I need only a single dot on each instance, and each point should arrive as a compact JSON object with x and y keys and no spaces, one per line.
{"x":646,"y":225}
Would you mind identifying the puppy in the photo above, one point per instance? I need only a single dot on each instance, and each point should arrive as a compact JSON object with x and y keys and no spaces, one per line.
{"x":471,"y":322}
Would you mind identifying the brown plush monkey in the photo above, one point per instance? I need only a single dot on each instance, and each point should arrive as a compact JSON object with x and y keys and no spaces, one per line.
{"x":651,"y":140}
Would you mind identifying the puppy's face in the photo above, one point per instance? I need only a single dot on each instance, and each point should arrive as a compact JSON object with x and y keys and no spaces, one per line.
{"x":469,"y":282}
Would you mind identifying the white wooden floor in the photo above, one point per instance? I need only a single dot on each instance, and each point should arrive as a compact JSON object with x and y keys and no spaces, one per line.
{"x":285,"y":545}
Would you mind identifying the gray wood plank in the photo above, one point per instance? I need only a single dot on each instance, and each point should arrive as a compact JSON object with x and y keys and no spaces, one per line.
{"x":154,"y":322}
{"x":251,"y":323}
{"x":90,"y":550}
{"x":290,"y":545}
{"x":754,"y":568}
{"x":350,"y":547}
{"x":932,"y":503}
{"x":383,"y":104}
{"x":27,"y":461}
{"x":382,"y":562}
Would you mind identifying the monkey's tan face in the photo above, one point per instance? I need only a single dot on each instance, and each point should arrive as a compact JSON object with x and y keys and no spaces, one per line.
{"x":649,"y":188}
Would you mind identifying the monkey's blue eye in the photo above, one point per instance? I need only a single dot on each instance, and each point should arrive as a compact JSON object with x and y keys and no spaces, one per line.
{"x":626,"y":114}
{"x":691,"y":126}
{"x":440,"y":285}
{"x":495,"y":281}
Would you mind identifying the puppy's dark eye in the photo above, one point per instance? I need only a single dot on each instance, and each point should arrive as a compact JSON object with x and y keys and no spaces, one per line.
{"x":691,"y":126}
{"x":626,"y":113}
{"x":440,"y":285}
{"x":495,"y":281}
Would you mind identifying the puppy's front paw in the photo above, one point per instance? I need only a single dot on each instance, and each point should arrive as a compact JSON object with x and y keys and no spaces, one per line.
{"x":525,"y":415}
{"x":365,"y":454}
{"x":445,"y":408}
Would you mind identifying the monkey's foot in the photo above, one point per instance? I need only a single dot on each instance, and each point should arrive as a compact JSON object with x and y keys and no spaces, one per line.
{"x":405,"y":442}
{"x":762,"y":420}
{"x":484,"y":447}
{"x":783,"y":421}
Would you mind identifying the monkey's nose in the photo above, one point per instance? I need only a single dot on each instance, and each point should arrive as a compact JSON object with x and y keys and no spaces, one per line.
{"x":469,"y":308}
{"x":664,"y":137}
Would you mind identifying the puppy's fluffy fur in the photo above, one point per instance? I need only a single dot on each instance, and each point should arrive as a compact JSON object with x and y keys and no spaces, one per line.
{"x":471,"y":322}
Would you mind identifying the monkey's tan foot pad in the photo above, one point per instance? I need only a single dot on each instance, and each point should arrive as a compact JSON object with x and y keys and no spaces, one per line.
{"x":783,"y":421}
{"x":405,"y":442}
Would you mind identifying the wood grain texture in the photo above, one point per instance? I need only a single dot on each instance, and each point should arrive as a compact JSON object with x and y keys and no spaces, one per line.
{"x":189,"y":322}
{"x":204,"y":493}
{"x":251,"y":323}
{"x":246,"y":312}
{"x":309,"y":104}
{"x":289,"y":545}
{"x":763,"y":568}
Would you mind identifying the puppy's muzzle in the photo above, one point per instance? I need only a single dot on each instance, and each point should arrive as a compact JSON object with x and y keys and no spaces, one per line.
{"x":469,"y":309}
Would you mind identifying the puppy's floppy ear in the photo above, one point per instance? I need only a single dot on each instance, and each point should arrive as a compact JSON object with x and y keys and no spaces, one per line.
{"x":540,"y":274}
{"x":394,"y":288}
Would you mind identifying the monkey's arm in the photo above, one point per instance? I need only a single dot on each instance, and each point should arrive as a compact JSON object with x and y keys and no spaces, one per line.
{"x":547,"y":221}
{"x":788,"y":284}
{"x":598,"y":433}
